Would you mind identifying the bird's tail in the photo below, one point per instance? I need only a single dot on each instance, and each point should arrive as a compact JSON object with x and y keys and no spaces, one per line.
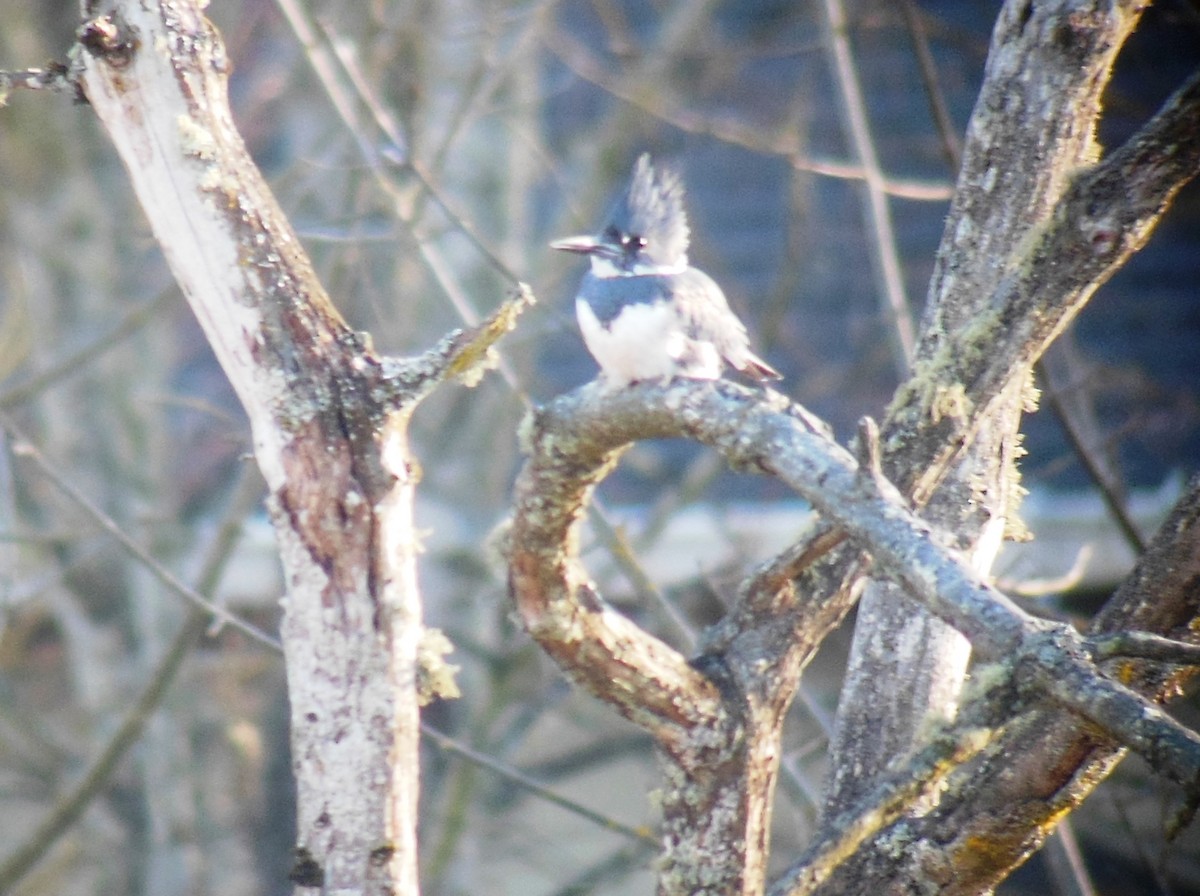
{"x":758,"y":369}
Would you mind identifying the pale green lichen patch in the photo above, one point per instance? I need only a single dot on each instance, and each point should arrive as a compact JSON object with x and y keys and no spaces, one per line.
{"x":478,"y":356}
{"x":936,"y":390}
{"x":1031,"y":395}
{"x":949,"y":401}
{"x":527,"y":430}
{"x":435,"y":677}
{"x":1015,"y":528}
{"x":471,"y":374}
{"x":195,"y":139}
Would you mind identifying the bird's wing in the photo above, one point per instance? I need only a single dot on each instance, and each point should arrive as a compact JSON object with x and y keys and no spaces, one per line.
{"x":708,"y":318}
{"x":706,"y":313}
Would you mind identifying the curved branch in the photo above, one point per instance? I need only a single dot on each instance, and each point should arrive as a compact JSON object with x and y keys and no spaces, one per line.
{"x":577,"y":440}
{"x":646,"y":680}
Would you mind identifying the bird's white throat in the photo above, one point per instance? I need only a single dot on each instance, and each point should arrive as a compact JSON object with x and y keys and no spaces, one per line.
{"x":605,"y":269}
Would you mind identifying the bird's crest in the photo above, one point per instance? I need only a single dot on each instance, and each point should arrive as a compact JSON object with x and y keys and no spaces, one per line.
{"x":652,"y":208}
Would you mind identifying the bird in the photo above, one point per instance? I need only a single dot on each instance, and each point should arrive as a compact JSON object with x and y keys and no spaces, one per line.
{"x":644,"y":312}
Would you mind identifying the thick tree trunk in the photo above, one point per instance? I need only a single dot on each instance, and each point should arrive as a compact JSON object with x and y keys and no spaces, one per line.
{"x":329,"y":436}
{"x":1033,"y":231}
{"x":1033,"y":126}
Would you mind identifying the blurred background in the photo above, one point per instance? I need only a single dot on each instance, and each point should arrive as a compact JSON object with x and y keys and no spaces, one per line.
{"x":427,"y":153}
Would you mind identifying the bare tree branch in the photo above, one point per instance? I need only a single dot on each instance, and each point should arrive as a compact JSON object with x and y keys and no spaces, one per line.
{"x":1046,"y":762}
{"x":329,"y":424}
{"x":575,"y":442}
{"x":1016,"y":264}
{"x":1143,"y":646}
{"x":1105,"y":215}
{"x":73,"y":803}
{"x":905,"y":665}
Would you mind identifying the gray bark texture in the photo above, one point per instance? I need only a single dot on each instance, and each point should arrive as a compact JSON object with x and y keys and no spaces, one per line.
{"x":1040,"y":103}
{"x":156,"y":76}
{"x":1039,"y":220}
{"x":329,"y":420}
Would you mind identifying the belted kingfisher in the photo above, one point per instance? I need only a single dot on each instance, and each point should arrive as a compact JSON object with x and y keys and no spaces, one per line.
{"x":644,"y":313}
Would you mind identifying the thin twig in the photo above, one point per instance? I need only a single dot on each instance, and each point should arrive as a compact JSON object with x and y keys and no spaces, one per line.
{"x":23,"y":447}
{"x":71,"y":806}
{"x":627,"y":560}
{"x":951,"y":143}
{"x":879,"y":216}
{"x":74,"y":362}
{"x":1070,"y":427}
{"x":1143,"y":646}
{"x":579,"y":59}
{"x":1066,"y":862}
{"x":523,"y":781}
{"x":54,"y":78}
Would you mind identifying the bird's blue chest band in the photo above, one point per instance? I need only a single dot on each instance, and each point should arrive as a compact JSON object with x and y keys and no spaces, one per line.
{"x":608,"y":295}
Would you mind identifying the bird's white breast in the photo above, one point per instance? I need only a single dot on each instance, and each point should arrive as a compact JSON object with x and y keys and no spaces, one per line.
{"x":605,"y":269}
{"x":645,"y":341}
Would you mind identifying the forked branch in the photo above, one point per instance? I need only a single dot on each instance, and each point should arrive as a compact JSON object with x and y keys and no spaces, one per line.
{"x":577,"y":439}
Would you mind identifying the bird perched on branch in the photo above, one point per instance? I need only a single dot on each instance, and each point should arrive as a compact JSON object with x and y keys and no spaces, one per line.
{"x":644,"y":312}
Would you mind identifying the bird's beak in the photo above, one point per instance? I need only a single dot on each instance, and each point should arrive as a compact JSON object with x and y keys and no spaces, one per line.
{"x":584,"y":245}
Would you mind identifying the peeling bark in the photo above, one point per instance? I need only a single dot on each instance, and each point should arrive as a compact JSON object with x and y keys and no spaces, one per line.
{"x":329,"y":421}
{"x":1000,"y":807}
{"x":720,"y":732}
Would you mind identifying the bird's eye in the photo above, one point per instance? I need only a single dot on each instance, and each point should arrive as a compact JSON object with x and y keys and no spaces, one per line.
{"x":634,"y":242}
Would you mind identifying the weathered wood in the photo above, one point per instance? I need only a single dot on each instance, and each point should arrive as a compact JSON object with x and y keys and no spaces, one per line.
{"x":329,"y":421}
{"x":719,"y":730}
